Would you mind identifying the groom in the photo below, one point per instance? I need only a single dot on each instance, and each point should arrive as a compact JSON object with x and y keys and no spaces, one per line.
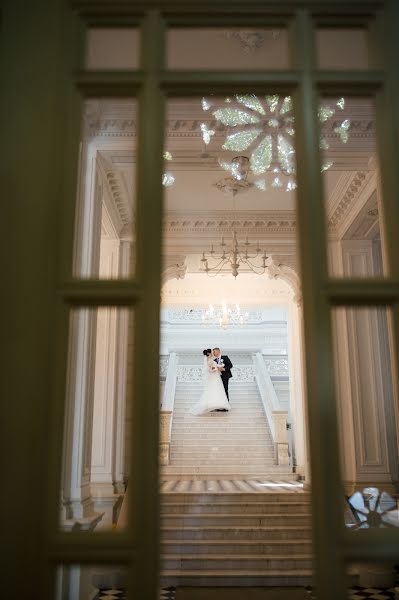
{"x":225,"y":365}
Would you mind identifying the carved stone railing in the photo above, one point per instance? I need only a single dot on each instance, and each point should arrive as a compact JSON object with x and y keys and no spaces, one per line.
{"x":166,"y":412}
{"x":276,"y":417}
{"x":276,"y":366}
{"x":194,"y":374}
{"x":163,"y":366}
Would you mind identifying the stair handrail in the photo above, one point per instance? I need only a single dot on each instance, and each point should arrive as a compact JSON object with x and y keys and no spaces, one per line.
{"x":168,"y":398}
{"x":275,"y":414}
{"x":267,"y":392}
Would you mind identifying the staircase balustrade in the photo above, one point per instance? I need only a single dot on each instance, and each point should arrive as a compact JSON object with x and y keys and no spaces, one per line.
{"x":276,"y":417}
{"x":166,"y":412}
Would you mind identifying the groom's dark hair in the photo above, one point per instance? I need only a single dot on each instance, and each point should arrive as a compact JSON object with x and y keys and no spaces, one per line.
{"x":217,"y":348}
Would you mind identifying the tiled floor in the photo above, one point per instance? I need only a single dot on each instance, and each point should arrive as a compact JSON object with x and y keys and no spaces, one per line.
{"x":363,"y":593}
{"x":355,"y":593}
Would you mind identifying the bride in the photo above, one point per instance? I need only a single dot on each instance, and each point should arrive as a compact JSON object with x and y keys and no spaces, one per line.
{"x":213,"y":396}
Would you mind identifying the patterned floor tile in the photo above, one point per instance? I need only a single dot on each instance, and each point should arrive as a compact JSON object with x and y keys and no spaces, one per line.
{"x":363,"y":593}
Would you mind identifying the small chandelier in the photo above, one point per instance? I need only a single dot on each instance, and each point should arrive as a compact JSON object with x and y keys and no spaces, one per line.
{"x":224,"y":315}
{"x":235,"y":256}
{"x":237,"y":182}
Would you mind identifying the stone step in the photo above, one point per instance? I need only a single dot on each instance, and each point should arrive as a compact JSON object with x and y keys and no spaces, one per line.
{"x":264,"y":507}
{"x":249,"y":399}
{"x":210,"y":417}
{"x":261,"y":562}
{"x":234,"y":520}
{"x":234,"y":403}
{"x":226,"y":437}
{"x":237,"y":578}
{"x":241,"y":471}
{"x":213,"y":450}
{"x":236,"y":497}
{"x":183,"y":475}
{"x":242,"y":533}
{"x":240,"y":442}
{"x":222,"y":462}
{"x":211,"y":547}
{"x":211,"y":424}
{"x":222,"y":458}
{"x":222,"y":452}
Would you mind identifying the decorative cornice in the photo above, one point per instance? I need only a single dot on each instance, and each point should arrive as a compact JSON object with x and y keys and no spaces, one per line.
{"x":225,"y":222}
{"x":362,"y":129}
{"x":118,"y":194}
{"x":346,"y":198}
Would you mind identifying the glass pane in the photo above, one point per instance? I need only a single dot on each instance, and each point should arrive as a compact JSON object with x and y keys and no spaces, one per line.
{"x":96,"y":443}
{"x":91,"y":582}
{"x":367,"y":415}
{"x":342,"y":48}
{"x":104,"y":239}
{"x":222,"y":48}
{"x":234,"y":506}
{"x":112,"y":49}
{"x":353,"y":198}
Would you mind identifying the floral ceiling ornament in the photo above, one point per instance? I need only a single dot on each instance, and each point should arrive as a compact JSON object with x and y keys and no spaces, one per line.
{"x":264,"y":127}
{"x":250,"y":39}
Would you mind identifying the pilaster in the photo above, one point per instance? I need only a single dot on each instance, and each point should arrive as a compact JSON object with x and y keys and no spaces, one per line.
{"x":364,"y":391}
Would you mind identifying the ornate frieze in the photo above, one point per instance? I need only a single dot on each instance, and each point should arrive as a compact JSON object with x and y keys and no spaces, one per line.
{"x":258,"y":223}
{"x":194,"y":373}
{"x":194,"y":315}
{"x":276,"y":366}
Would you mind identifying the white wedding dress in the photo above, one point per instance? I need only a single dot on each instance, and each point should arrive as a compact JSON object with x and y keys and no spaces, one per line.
{"x":213,"y":396}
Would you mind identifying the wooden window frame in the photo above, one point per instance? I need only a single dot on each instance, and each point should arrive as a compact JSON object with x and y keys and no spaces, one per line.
{"x":138,"y":546}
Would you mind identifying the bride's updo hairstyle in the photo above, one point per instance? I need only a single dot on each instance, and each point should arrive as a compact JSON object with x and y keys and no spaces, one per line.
{"x":207,"y":352}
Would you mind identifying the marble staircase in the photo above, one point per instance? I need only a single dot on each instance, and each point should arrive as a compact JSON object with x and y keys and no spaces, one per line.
{"x":219,"y":445}
{"x":230,"y":516}
{"x":236,"y":539}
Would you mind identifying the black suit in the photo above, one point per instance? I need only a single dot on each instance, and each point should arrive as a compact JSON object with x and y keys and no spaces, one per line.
{"x":226,"y":374}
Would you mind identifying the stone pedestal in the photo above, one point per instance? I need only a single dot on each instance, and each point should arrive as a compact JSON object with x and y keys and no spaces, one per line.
{"x":165,"y":427}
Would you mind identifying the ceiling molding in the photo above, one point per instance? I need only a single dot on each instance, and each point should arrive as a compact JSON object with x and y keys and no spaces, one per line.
{"x":225,"y":222}
{"x":345,"y":194}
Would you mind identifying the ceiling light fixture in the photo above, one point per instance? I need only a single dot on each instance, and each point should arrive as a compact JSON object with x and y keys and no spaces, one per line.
{"x":264,"y":126}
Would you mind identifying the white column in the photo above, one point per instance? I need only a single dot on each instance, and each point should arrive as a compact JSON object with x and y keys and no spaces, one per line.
{"x":297,"y":391}
{"x":110,"y":381}
{"x":121,"y":361}
{"x":81,"y":360}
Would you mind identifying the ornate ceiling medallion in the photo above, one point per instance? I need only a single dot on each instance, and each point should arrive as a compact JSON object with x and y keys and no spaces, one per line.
{"x":251,"y":40}
{"x":264,"y":127}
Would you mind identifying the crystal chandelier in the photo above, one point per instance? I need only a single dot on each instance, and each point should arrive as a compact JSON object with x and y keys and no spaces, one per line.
{"x":264,"y":126}
{"x":236,"y":182}
{"x":224,"y":315}
{"x":235,"y":256}
{"x":168,"y":178}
